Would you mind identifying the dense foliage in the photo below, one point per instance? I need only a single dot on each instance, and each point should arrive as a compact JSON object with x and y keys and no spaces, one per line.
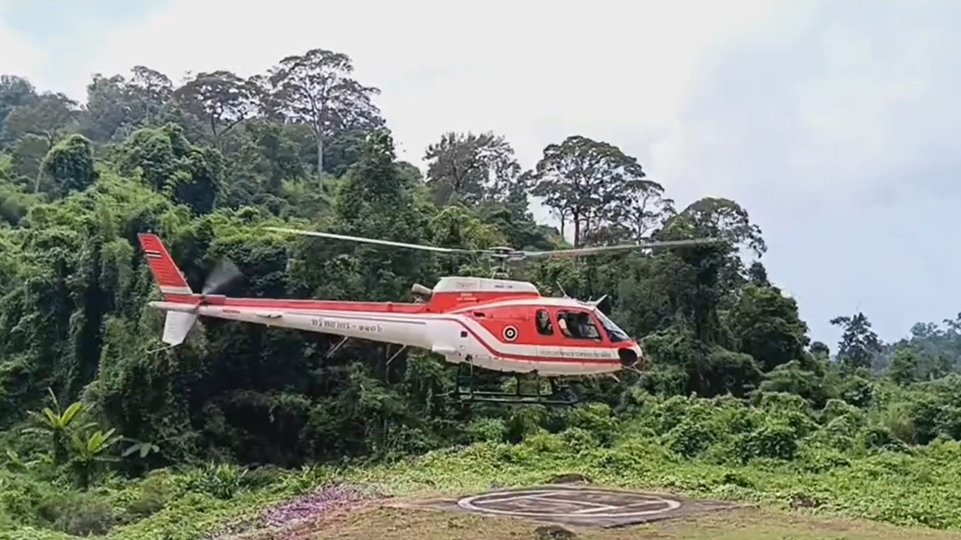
{"x":106,"y":430}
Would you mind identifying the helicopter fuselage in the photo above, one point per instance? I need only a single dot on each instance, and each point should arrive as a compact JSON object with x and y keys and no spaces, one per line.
{"x":495,"y":324}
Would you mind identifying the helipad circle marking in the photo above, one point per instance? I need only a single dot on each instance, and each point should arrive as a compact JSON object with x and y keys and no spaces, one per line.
{"x":476,"y":503}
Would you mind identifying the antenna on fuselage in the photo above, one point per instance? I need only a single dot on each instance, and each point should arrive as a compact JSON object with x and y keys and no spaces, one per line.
{"x":563,"y":292}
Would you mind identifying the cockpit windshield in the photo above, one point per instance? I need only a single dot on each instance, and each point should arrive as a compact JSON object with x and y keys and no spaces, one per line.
{"x":613,"y":331}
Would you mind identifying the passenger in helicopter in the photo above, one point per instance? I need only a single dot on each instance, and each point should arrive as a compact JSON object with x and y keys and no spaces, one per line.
{"x":544,"y":323}
{"x":562,"y":324}
{"x":586,"y":327}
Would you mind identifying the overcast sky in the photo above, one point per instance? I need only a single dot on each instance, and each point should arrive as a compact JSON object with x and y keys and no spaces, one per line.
{"x":835,"y":124}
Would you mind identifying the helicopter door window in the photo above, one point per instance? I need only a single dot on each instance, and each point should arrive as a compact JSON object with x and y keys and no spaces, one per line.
{"x":578,"y":325}
{"x":544,"y":327}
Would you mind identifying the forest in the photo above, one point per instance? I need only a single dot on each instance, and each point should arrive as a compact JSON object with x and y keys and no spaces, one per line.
{"x":106,"y":432}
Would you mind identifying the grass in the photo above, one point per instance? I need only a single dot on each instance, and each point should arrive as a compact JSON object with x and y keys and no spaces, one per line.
{"x":838,"y":485}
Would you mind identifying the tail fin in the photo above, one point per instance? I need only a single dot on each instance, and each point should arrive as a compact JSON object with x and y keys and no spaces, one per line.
{"x":170,"y":279}
{"x":174,"y":287}
{"x":177,"y":326}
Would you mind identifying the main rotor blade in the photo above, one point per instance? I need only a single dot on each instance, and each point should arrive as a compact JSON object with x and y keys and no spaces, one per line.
{"x":605,"y":249}
{"x":371,"y":240}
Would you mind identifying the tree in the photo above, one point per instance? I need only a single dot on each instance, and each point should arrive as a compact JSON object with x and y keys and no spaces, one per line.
{"x":768,"y":327}
{"x":581,"y":177}
{"x":471,"y":168}
{"x":152,"y":91}
{"x":723,"y":219}
{"x":169,"y":163}
{"x":108,"y":112}
{"x":820,"y":350}
{"x":27,"y":157}
{"x":316,"y":88}
{"x":14,"y":92}
{"x":701,"y":280}
{"x":859,"y":344}
{"x":221,"y":98}
{"x":117,"y":106}
{"x":45,"y":116}
{"x":757,"y":274}
{"x":57,"y":425}
{"x":637,"y":208}
{"x":70,"y":165}
{"x":903,"y":369}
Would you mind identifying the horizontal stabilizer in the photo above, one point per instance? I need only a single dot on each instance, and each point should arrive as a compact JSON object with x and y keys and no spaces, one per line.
{"x":177,"y":326}
{"x":174,"y":306}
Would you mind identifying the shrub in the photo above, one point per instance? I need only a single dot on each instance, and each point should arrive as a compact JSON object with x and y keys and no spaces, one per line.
{"x":487,"y":430}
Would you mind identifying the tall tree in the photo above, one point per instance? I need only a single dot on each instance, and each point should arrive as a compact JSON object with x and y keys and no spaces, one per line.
{"x":637,"y":207}
{"x":471,"y":168}
{"x":109,"y":112}
{"x":767,"y":326}
{"x":581,"y":177}
{"x":152,"y":90}
{"x":14,"y":92}
{"x":317,"y":88}
{"x":859,"y":344}
{"x":718,"y":218}
{"x":27,"y":155}
{"x":221,"y":98}
{"x":701,"y":278}
{"x":45,"y":116}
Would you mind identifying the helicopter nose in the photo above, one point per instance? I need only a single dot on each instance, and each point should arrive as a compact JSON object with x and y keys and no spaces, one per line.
{"x":628,"y":356}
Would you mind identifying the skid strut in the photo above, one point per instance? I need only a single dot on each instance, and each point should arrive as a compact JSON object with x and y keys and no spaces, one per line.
{"x":467,"y":390}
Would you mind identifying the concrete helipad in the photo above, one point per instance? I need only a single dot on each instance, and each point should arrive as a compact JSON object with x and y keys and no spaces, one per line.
{"x":582,"y":506}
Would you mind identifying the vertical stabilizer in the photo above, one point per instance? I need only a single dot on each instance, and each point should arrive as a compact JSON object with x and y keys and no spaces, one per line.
{"x":170,"y":279}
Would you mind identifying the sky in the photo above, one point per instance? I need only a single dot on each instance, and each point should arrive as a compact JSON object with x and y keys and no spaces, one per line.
{"x":835,"y":124}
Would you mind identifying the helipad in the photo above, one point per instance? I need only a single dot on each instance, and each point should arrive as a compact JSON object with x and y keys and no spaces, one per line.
{"x":577,"y":506}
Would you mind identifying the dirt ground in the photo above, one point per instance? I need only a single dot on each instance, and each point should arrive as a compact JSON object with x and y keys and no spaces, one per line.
{"x":384,"y":523}
{"x":561,"y":512}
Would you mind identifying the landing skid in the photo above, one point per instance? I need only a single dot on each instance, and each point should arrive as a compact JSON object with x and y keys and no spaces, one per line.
{"x":467,"y":391}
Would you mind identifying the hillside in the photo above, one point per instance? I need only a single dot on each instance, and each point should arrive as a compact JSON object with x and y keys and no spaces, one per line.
{"x":107,"y":431}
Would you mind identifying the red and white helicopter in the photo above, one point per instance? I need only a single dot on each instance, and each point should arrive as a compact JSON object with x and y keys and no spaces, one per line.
{"x":489,"y":323}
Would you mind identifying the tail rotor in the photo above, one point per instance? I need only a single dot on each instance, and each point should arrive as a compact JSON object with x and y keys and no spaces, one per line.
{"x":224,"y":277}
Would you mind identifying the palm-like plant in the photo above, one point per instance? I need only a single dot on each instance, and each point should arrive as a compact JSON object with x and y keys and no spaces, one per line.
{"x":88,"y":451}
{"x":56,"y":424}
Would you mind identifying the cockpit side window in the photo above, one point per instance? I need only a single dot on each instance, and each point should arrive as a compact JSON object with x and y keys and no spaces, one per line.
{"x":544,"y":326}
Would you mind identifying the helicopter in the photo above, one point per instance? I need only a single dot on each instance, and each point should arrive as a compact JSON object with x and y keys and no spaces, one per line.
{"x":495,"y":324}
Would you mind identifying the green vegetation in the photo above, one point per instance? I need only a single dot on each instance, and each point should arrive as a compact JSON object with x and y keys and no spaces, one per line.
{"x":107,"y":432}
